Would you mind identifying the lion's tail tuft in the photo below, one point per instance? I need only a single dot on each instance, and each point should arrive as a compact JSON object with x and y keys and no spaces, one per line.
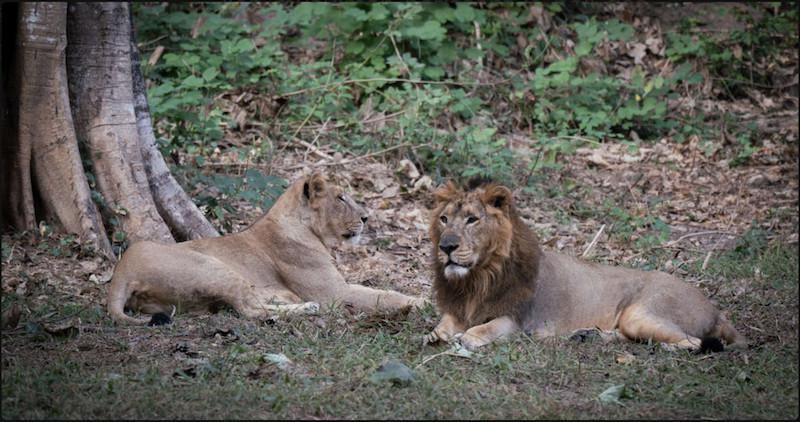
{"x":723,"y":330}
{"x":117,"y":297}
{"x":710,"y":345}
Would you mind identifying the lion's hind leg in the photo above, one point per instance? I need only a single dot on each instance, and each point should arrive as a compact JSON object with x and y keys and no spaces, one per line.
{"x":638,"y":323}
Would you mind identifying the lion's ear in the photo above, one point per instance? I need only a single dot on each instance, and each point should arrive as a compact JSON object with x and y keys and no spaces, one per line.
{"x":445,"y":192}
{"x":497,"y":196}
{"x":314,"y":186}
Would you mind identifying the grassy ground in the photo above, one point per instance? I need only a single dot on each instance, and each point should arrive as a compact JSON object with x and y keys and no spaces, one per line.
{"x":218,"y":366}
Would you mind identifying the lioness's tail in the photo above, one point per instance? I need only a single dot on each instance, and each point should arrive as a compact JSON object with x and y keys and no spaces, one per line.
{"x":725,"y":330}
{"x":117,"y":297}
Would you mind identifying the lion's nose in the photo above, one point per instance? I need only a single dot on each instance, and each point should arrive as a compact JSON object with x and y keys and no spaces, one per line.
{"x":448,"y":244}
{"x":364,"y":219}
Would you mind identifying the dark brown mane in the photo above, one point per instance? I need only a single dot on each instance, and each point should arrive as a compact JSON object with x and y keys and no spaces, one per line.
{"x":503,"y":286}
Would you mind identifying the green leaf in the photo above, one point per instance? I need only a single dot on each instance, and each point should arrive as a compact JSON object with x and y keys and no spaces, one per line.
{"x":393,"y":371}
{"x":354,"y":47}
{"x":377,"y":12}
{"x":567,"y":65}
{"x":430,"y":30}
{"x":210,"y":73}
{"x":613,"y":394}
{"x":464,"y":12}
{"x":618,"y":30}
{"x":433,"y":72}
{"x":583,"y":48}
{"x":443,"y":13}
{"x":243,"y":45}
{"x":118,"y":236}
{"x":192,"y":82}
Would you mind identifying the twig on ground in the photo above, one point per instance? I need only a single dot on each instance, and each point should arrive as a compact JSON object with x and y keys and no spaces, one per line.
{"x":397,"y":53}
{"x":688,"y":235}
{"x":593,"y":242}
{"x":705,"y":261}
{"x":10,"y":254}
{"x":430,"y":358}
{"x":312,"y":146}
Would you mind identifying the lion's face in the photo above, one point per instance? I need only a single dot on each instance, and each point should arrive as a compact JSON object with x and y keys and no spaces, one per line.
{"x":469,"y":229}
{"x":337,"y":217}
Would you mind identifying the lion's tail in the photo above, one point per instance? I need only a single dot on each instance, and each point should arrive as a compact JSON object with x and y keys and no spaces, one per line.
{"x":724,"y":330}
{"x":117,"y":297}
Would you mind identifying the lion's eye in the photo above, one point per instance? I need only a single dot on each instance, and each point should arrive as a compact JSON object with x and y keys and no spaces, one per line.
{"x":471,"y":219}
{"x":341,"y":198}
{"x":443,"y":219}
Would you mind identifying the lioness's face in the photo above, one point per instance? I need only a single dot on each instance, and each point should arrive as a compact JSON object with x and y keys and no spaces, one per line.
{"x":337,"y":215}
{"x":468,"y":228}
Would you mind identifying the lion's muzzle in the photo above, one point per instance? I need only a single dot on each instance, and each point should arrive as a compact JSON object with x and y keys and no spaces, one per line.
{"x":453,"y":268}
{"x":448,"y":243}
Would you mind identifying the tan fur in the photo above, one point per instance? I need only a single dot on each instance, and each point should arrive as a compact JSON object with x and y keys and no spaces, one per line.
{"x":508,"y":284}
{"x":282,"y":262}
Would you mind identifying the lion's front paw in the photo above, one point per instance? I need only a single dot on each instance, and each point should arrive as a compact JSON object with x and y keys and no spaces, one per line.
{"x":436,"y":336}
{"x":470,"y":341}
{"x":430,"y":338}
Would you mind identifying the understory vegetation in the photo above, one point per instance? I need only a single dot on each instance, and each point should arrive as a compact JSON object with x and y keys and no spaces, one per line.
{"x":453,"y":84}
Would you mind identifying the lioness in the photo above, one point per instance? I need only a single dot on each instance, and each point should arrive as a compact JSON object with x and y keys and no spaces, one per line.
{"x":492,"y":279}
{"x":282,"y":262}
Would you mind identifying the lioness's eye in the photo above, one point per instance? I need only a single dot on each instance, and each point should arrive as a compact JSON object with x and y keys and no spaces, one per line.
{"x":341,"y":198}
{"x":471,"y":219}
{"x":444,"y":219}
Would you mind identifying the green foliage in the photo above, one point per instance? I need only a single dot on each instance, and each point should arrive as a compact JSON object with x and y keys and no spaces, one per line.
{"x":255,"y":187}
{"x":753,"y":256}
{"x":741,"y":59}
{"x":427,"y":66}
{"x":221,"y":57}
{"x":571,"y":101}
{"x":645,"y":230}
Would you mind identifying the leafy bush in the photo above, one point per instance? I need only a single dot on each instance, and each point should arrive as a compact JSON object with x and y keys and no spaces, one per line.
{"x":185,"y":79}
{"x":745,"y":57}
{"x":453,"y":77}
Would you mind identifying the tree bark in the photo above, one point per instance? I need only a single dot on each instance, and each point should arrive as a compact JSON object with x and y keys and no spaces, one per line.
{"x":174,"y":205}
{"x":56,"y":165}
{"x":70,"y":77}
{"x":99,"y":64}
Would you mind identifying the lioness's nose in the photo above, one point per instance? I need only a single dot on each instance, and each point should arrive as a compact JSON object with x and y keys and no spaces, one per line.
{"x":364,"y":219}
{"x":448,"y":244}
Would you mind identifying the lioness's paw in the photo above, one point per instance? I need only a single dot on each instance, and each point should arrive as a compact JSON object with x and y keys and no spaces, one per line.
{"x":420,"y":302}
{"x":310,"y":308}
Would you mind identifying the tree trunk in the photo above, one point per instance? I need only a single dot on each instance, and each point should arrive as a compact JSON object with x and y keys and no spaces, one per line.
{"x":174,"y":205}
{"x":101,"y":89}
{"x":71,"y":77}
{"x":56,"y":166}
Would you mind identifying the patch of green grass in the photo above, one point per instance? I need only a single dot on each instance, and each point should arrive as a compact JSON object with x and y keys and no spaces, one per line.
{"x":775,"y":265}
{"x":215,"y":367}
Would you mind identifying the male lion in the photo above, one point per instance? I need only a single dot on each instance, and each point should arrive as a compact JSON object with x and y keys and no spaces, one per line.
{"x":282,"y":262}
{"x":492,"y":279}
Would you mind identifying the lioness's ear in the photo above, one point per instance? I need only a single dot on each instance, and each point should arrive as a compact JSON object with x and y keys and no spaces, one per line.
{"x":445,"y":192}
{"x":314,"y":186}
{"x":497,"y":196}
